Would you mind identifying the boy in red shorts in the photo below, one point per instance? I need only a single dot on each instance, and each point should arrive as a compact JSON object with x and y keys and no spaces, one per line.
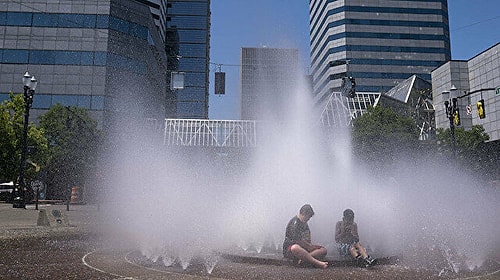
{"x":297,"y":245}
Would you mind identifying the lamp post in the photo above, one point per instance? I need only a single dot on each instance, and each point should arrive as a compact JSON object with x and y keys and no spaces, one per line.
{"x":30,"y":84}
{"x":450,"y":105}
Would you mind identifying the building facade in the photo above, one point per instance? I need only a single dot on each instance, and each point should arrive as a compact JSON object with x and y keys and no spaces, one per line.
{"x":379,"y":43}
{"x":104,"y":56}
{"x":188,"y":51}
{"x":475,"y":79}
{"x":268,"y":78}
{"x":158,"y":10}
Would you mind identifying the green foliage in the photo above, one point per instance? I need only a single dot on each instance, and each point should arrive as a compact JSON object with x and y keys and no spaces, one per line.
{"x":74,"y":142}
{"x":11,"y":131}
{"x":471,"y":149}
{"x":381,"y":136}
{"x":466,"y":141}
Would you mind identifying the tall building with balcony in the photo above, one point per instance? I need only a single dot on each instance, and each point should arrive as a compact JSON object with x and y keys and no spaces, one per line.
{"x":104,"y":56}
{"x":379,"y":43}
{"x":188,"y":50}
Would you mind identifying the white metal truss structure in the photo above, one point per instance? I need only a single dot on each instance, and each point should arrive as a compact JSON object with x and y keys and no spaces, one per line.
{"x":339,"y":110}
{"x":210,"y":133}
{"x":424,"y":115}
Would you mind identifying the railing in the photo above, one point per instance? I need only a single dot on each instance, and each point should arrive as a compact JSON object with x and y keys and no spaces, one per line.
{"x":209,"y":133}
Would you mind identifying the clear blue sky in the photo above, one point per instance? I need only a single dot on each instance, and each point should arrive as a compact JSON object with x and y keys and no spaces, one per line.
{"x":474,"y":27}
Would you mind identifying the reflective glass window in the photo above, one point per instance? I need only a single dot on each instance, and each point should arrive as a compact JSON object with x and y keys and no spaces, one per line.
{"x":42,"y":101}
{"x":139,"y":31}
{"x":15,"y":56}
{"x":83,"y":101}
{"x":19,"y":19}
{"x":150,"y":39}
{"x":193,"y":50}
{"x":189,"y":8}
{"x":68,"y":20}
{"x":199,"y":22}
{"x":3,"y":97}
{"x":3,"y":18}
{"x":193,"y":36}
{"x":188,"y":108}
{"x":102,"y":21}
{"x":195,"y":79}
{"x":87,"y":21}
{"x":45,"y":20}
{"x":87,"y":58}
{"x":193,"y":64}
{"x":100,"y":58}
{"x":64,"y":99}
{"x":67,"y":58}
{"x":194,"y":94}
{"x":97,"y":102}
{"x":118,"y":24}
{"x":42,"y":57}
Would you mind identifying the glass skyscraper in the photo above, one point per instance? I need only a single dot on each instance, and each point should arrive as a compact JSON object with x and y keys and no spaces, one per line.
{"x":104,"y":56}
{"x":379,"y":43}
{"x":188,"y":51}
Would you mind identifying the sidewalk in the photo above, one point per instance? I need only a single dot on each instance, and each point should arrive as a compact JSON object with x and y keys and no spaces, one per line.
{"x":19,"y":220}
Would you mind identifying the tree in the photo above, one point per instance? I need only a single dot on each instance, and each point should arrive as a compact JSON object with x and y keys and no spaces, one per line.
{"x":380,"y":136}
{"x":11,"y":131}
{"x":74,"y":142}
{"x":471,"y":149}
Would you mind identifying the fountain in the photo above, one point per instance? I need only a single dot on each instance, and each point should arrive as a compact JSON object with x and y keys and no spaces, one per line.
{"x":199,"y":204}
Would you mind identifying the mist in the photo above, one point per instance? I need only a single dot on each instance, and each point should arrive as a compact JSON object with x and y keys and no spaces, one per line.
{"x":178,"y":203}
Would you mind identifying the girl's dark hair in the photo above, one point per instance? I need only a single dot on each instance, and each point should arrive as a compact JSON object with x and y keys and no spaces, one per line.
{"x":349,"y":214}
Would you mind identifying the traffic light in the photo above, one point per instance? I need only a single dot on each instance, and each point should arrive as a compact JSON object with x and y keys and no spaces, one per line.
{"x":220,"y":82}
{"x":456,"y":117}
{"x":348,"y":87}
{"x":480,"y":109}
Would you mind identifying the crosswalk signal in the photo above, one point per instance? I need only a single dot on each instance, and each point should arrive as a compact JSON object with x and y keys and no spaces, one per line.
{"x":480,"y":109}
{"x":456,"y":117}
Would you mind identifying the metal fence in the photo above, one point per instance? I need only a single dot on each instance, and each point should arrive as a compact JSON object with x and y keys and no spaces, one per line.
{"x":209,"y":133}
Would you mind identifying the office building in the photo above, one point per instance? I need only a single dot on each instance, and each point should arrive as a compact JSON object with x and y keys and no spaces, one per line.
{"x":472,"y":80}
{"x":269,"y":76}
{"x":379,"y":43}
{"x":188,"y":51}
{"x":105,"y":56}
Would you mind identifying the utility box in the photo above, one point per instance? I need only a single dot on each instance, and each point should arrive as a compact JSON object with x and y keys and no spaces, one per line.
{"x":52,"y":217}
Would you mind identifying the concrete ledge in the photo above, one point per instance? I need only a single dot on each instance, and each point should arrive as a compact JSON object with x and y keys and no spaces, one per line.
{"x":271,"y":259}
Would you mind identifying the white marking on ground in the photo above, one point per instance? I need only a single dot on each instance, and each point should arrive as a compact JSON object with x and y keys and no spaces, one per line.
{"x":100,"y":270}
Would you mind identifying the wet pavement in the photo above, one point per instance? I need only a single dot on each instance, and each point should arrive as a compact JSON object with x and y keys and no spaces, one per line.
{"x":73,"y":247}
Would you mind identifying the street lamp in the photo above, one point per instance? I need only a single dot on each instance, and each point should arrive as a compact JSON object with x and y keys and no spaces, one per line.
{"x":30,"y":84}
{"x":451,"y":109}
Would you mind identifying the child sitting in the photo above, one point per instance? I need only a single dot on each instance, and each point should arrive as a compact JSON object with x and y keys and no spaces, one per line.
{"x":346,"y":235}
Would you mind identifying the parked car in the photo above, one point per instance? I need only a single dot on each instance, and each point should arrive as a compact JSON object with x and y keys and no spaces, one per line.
{"x":6,"y":190}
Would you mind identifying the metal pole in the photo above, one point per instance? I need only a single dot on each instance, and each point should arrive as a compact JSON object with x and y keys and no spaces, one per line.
{"x":24,"y":144}
{"x":37,"y":195}
{"x":452,"y":132}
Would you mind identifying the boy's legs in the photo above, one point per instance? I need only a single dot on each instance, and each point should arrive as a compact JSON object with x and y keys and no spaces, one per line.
{"x":303,"y":255}
{"x":319,"y":253}
{"x":362,"y":253}
{"x":360,"y":249}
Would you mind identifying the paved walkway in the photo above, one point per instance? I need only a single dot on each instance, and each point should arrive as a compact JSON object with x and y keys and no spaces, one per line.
{"x":98,"y":263}
{"x":25,"y":221}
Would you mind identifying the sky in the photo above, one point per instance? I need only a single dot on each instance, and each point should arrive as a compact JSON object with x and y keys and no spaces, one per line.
{"x":474,"y":27}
